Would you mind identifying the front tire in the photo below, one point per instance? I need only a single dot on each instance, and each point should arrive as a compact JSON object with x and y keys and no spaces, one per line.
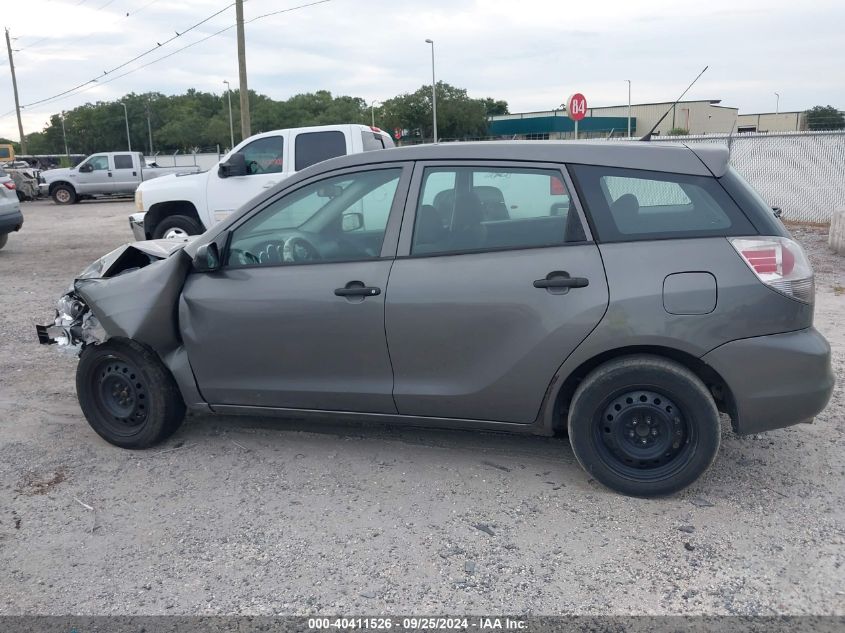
{"x":177,"y":226}
{"x":64,"y":194}
{"x":127,"y":395}
{"x":644,"y":426}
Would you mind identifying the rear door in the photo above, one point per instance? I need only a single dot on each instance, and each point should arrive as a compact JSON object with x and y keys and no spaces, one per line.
{"x":126,"y":173}
{"x":496,"y":282}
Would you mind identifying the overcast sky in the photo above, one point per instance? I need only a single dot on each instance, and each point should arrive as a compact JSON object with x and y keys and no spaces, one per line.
{"x":532,"y":53}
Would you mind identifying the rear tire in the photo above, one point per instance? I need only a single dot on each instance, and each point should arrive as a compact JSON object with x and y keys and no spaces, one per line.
{"x":176,"y":226}
{"x":64,"y":194}
{"x":127,"y":395}
{"x":644,"y":426}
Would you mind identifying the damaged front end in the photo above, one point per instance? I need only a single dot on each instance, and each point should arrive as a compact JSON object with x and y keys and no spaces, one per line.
{"x":105,"y":301}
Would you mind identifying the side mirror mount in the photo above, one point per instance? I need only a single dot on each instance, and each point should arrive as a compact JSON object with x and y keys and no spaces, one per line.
{"x":235,"y":165}
{"x":207,"y":258}
{"x":352,"y":222}
{"x":88,"y":167}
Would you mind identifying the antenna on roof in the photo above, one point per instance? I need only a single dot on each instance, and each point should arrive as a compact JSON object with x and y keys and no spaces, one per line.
{"x":647,"y":137}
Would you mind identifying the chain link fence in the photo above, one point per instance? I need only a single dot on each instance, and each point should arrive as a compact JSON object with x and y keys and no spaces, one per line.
{"x":803,"y":173}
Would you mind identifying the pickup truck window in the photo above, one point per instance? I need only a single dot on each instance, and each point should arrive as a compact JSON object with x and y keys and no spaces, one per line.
{"x":265,"y":155}
{"x":315,"y":147}
{"x":98,"y":163}
{"x":123,"y":161}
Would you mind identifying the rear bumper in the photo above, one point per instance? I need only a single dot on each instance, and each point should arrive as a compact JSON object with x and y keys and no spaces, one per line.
{"x":10,"y":221}
{"x":777,"y":380}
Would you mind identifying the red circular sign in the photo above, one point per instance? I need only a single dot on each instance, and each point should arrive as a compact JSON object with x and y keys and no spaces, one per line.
{"x":576,"y":106}
{"x":397,"y":133}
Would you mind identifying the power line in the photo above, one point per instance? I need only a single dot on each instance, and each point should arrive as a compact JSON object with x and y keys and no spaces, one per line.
{"x":88,"y":85}
{"x":136,"y":58}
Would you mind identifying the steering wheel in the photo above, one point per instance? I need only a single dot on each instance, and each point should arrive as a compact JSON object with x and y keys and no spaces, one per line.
{"x":298,"y":249}
{"x":243,"y":257}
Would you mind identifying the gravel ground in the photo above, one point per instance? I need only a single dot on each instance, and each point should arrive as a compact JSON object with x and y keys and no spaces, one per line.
{"x":240,"y":515}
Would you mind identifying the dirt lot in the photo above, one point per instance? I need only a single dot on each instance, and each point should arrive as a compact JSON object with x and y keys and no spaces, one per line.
{"x":250,"y":516}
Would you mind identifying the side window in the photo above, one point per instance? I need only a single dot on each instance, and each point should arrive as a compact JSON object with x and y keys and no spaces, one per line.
{"x":99,"y":163}
{"x":632,"y":204}
{"x":335,"y":219}
{"x":265,"y":155}
{"x":470,"y":209}
{"x":123,"y":161}
{"x":314,"y":147}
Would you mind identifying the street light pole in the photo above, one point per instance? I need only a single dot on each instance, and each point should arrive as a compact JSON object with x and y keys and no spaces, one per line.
{"x":373,"y":112}
{"x":126,"y":116}
{"x":150,"y":127}
{"x":433,"y":91}
{"x":629,"y":107}
{"x":64,"y":137}
{"x":231,"y":125}
{"x":777,"y":103}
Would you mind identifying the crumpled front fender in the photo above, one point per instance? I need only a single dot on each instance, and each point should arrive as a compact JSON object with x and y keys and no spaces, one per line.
{"x":141,"y":305}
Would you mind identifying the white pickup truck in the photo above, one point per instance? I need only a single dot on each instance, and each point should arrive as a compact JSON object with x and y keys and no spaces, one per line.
{"x":104,"y":174}
{"x":182,"y":205}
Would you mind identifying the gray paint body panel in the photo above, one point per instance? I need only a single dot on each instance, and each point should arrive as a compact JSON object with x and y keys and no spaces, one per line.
{"x":278,"y":336}
{"x":470,"y":337}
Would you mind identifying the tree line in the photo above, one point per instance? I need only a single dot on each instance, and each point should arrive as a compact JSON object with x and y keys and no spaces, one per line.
{"x":199,"y":120}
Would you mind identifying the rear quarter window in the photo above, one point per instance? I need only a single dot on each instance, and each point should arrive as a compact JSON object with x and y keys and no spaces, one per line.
{"x":633,"y":204}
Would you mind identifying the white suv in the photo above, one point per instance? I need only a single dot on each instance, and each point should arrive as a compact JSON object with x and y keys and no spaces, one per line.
{"x":188,"y":204}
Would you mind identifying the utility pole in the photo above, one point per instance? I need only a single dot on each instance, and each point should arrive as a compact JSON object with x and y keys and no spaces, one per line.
{"x":245,"y":123}
{"x":15,"y":90}
{"x":629,"y":107}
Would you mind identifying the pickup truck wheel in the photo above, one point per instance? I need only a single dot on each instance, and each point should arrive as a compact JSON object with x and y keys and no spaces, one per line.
{"x":127,"y":395}
{"x":64,"y":194}
{"x":644,"y":426}
{"x":177,"y":226}
{"x":4,"y":237}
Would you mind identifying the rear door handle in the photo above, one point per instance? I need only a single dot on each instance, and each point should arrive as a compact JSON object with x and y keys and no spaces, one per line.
{"x":554,"y":281}
{"x":356,"y":289}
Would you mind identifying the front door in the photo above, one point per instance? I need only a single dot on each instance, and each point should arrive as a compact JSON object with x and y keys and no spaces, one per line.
{"x":266,"y":165}
{"x":295,"y":319}
{"x":94,"y":175}
{"x":494,"y":285}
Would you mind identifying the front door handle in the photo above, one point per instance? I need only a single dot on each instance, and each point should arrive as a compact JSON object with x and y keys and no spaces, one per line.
{"x":357,"y":289}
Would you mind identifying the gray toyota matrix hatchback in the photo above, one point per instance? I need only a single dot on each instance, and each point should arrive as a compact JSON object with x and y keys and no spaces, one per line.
{"x":625,"y":293}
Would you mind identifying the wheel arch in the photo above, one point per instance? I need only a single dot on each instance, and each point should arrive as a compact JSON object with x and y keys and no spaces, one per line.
{"x":563,"y":386}
{"x":161,"y":210}
{"x":57,"y":183}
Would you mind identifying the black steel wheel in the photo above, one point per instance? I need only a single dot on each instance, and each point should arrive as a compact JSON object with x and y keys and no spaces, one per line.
{"x":644,"y":425}
{"x":127,"y":395}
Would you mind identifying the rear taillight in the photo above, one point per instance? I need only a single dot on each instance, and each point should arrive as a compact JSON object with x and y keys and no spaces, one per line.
{"x":779,"y":263}
{"x":10,"y":184}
